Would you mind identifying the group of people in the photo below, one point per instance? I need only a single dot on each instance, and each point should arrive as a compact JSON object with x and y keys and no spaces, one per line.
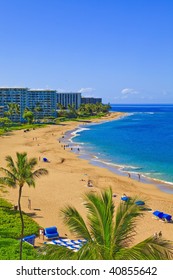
{"x":139,"y":176}
{"x":90,"y":184}
{"x":159,"y":234}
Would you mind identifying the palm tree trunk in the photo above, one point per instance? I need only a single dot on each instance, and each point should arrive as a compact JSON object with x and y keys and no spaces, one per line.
{"x":22,"y":222}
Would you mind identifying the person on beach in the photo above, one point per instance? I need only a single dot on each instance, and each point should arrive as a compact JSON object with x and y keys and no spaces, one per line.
{"x":41,"y":233}
{"x":129,"y":175}
{"x":139,"y":176}
{"x":29,"y":203}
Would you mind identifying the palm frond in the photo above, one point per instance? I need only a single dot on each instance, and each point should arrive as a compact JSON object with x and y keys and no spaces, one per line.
{"x":11,"y":164}
{"x":10,"y":179}
{"x":21,"y":160}
{"x":40,"y":172}
{"x":32,"y":162}
{"x":149,"y":249}
{"x":100,"y":215}
{"x":125,"y":223}
{"x":75,"y":222}
{"x":7,"y":181}
{"x":91,"y":251}
{"x":55,"y":252}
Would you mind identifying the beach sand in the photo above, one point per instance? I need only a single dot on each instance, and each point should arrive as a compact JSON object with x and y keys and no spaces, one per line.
{"x":66,"y":183}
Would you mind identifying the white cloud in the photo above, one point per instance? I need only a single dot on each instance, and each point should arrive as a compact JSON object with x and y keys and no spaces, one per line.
{"x":61,"y":90}
{"x":127,"y":91}
{"x":86,"y":90}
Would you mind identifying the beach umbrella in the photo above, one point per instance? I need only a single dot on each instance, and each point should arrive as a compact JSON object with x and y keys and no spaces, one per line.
{"x":140,"y":202}
{"x":125,"y":198}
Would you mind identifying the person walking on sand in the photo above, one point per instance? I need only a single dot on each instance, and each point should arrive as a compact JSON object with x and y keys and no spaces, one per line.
{"x":129,"y":175}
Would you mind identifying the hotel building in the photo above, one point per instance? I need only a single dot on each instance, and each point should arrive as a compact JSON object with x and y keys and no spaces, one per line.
{"x":13,"y":95}
{"x":90,"y":100}
{"x":42,"y":102}
{"x":67,"y":98}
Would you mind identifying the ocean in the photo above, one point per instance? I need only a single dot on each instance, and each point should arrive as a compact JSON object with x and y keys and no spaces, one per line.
{"x":139,"y":143}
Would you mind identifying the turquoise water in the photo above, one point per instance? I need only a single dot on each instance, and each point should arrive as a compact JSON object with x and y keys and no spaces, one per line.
{"x":141,"y":142}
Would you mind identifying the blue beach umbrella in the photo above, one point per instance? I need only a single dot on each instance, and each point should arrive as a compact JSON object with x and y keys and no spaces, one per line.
{"x":140,"y":202}
{"x":125,"y":198}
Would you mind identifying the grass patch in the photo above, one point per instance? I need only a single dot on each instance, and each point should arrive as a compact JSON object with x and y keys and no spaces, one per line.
{"x":10,"y":229}
{"x":9,"y":250}
{"x":17,"y":126}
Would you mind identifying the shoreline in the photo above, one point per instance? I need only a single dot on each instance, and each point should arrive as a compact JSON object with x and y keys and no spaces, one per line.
{"x":116,"y":168}
{"x":66,"y":183}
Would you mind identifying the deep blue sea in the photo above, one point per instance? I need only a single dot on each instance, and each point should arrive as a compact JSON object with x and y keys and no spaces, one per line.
{"x":141,"y":142}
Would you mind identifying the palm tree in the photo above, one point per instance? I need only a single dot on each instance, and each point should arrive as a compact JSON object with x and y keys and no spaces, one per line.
{"x":72,"y":111}
{"x":18,"y":174}
{"x":13,"y":110}
{"x":28,"y":115}
{"x":109,"y":236}
{"x":37,"y":110}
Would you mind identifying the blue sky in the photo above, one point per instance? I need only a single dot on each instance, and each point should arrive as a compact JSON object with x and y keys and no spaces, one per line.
{"x":120,"y":50}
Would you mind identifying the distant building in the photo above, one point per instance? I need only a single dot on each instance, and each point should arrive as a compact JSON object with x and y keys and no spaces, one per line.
{"x":69,"y":98}
{"x":42,"y":102}
{"x":90,"y":100}
{"x":13,"y":95}
{"x":1,"y":111}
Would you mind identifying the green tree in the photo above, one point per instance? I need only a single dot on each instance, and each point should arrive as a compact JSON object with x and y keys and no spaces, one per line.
{"x":29,"y":116}
{"x":72,"y":111}
{"x":62,"y":112}
{"x":13,"y":109}
{"x":18,"y":174}
{"x":109,"y":236}
{"x":5,"y":122}
{"x":37,"y":110}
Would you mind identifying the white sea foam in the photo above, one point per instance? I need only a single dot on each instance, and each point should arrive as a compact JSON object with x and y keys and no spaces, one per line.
{"x":159,"y":180}
{"x":119,"y":166}
{"x":79,"y":130}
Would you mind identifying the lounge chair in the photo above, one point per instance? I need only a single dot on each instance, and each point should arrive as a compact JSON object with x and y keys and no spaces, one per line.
{"x":51,"y":232}
{"x":166,"y":217}
{"x":30,"y":239}
{"x":158,"y":214}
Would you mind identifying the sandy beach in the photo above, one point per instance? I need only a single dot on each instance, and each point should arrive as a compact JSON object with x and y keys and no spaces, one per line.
{"x":66,"y":183}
